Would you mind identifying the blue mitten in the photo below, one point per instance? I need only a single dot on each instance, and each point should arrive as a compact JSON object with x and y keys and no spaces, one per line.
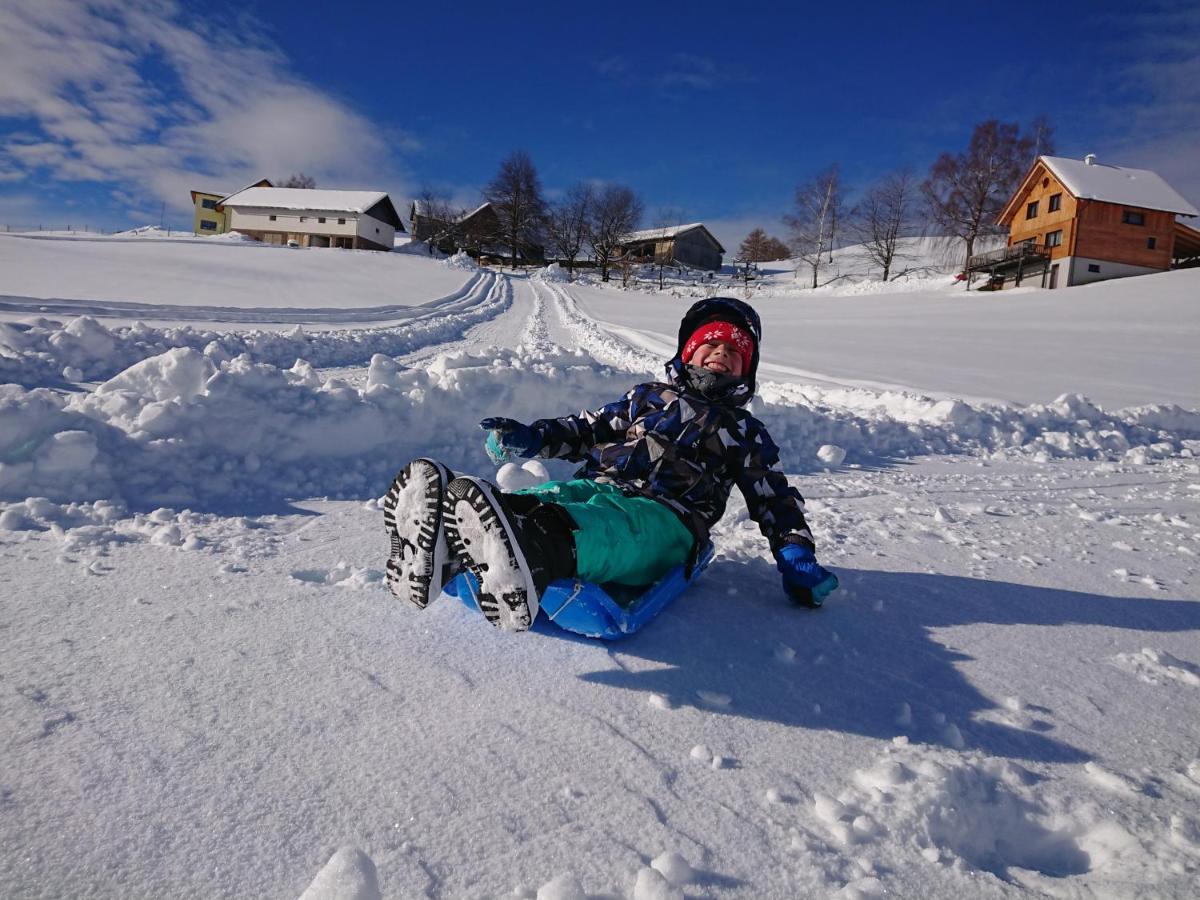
{"x":508,"y":438}
{"x":804,"y":579}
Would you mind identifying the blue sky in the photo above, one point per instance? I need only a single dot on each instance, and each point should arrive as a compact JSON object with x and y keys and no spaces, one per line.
{"x":111,"y":111}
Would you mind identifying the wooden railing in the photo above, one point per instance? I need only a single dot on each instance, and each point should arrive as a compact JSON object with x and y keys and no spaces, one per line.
{"x":1008,"y":256}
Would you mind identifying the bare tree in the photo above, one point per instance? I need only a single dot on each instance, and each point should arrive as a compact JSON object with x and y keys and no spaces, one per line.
{"x":516,"y":196}
{"x":615,"y":213}
{"x":965,"y":192}
{"x":818,"y":210}
{"x":567,"y":223}
{"x":298,"y":180}
{"x":435,"y":217}
{"x":886,"y":214}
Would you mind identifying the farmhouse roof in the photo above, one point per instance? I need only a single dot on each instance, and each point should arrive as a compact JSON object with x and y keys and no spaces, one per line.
{"x":674,"y":231}
{"x":374,"y":203}
{"x":305,"y":198}
{"x":1090,"y":180}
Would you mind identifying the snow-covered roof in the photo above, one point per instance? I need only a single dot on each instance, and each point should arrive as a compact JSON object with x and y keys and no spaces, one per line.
{"x":658,"y":234}
{"x":1118,"y":184}
{"x":305,"y":198}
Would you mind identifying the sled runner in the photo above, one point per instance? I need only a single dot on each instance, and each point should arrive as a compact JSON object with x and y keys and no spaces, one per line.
{"x":599,"y":611}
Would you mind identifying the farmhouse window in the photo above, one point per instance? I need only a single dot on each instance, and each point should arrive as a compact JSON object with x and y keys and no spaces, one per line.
{"x":1129,"y":217}
{"x":1055,"y":203}
{"x":272,"y":218}
{"x":321,"y":219}
{"x":1151,"y":243}
{"x":209,"y":204}
{"x":304,"y":218}
{"x":1031,"y":210}
{"x":208,"y":226}
{"x":1093,"y":267}
{"x":1054,"y":238}
{"x":341,"y":221}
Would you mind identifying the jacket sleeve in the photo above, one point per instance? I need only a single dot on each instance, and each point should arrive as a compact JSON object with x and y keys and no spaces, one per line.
{"x":774,"y":504}
{"x":570,"y":437}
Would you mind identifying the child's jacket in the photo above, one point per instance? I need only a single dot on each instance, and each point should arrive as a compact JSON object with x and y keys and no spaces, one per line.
{"x":686,"y":450}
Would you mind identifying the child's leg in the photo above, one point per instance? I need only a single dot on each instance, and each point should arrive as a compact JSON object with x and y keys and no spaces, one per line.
{"x":621,"y":539}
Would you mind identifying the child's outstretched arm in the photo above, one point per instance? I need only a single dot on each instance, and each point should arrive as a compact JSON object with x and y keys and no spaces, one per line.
{"x":778,"y":509}
{"x":568,"y":437}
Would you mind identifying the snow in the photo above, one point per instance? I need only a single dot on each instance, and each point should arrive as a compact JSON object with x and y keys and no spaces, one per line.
{"x":1118,"y":184}
{"x":211,"y":279}
{"x":1123,"y":342}
{"x":208,"y":690}
{"x":305,"y":198}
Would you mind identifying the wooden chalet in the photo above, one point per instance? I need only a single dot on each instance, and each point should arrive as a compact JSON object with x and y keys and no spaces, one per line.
{"x":1077,"y":221}
{"x":690,"y":246}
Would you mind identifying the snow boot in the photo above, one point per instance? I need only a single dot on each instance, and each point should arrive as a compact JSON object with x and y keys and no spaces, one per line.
{"x":420,"y":562}
{"x":514,"y":545}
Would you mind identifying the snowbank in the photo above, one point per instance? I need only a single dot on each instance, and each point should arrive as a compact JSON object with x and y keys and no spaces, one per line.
{"x":186,"y":428}
{"x":36,"y":353}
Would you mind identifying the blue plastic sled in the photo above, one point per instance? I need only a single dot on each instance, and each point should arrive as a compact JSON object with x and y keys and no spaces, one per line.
{"x":590,"y":609}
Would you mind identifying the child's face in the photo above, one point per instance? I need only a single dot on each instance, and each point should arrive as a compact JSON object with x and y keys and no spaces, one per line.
{"x":718,"y":356}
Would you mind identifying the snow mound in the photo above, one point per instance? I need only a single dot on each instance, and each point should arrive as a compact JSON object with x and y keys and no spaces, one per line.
{"x":349,"y":875}
{"x":185,"y":428}
{"x":551,"y":274}
{"x":461,"y":260}
{"x":38,"y":353}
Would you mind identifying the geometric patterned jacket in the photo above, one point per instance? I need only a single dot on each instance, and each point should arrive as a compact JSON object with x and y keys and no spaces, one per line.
{"x":670,"y":442}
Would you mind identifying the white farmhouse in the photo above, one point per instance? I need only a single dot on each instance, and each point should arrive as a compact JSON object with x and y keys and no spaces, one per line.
{"x":352,"y":220}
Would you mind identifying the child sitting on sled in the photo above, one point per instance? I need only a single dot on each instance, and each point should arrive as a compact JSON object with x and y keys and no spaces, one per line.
{"x":658,"y":467}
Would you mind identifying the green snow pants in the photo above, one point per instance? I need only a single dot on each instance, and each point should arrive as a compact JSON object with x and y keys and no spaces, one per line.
{"x":621,"y":539}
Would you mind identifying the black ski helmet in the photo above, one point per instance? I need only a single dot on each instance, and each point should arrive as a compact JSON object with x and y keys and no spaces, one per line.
{"x":721,"y":309}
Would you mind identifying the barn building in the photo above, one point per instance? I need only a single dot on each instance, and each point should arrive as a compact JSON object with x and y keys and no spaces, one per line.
{"x":1077,"y":221}
{"x":691,"y":246}
{"x":352,"y":220}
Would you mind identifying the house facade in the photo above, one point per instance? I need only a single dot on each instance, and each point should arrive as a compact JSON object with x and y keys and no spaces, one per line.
{"x":351,"y":220}
{"x":691,"y":245}
{"x":1078,"y":221}
{"x":208,"y":219}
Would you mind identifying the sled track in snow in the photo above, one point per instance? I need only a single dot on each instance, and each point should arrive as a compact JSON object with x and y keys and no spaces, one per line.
{"x":596,"y":340}
{"x":100,"y":352}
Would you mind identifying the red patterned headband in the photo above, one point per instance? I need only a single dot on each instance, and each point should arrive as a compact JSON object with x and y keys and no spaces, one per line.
{"x":726,"y":332}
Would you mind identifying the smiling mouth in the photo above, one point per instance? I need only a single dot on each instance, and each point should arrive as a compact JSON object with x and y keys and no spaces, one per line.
{"x":717,"y":366}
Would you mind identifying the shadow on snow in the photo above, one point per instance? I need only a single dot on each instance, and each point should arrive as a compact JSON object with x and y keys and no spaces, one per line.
{"x":858,"y":663}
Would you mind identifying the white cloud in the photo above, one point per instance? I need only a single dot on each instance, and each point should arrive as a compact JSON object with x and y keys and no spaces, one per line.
{"x":150,"y":98}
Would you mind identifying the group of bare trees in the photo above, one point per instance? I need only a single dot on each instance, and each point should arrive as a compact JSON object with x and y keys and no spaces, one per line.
{"x":961,"y":196}
{"x":584,"y":216}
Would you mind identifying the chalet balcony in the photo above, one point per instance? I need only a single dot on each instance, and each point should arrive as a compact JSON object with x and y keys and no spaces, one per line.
{"x":1020,"y":256}
{"x":1025,"y":255}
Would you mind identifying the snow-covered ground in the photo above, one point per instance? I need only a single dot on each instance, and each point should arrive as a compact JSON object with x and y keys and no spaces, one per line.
{"x":207,"y":690}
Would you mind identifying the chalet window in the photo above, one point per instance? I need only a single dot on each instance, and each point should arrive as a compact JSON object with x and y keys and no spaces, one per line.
{"x":1151,"y":243}
{"x":272,"y":218}
{"x":1093,"y":267}
{"x":321,"y":219}
{"x":1129,"y":217}
{"x":1031,"y":210}
{"x":1055,"y":203}
{"x":1054,"y":238}
{"x":208,"y":226}
{"x":341,"y":221}
{"x":209,"y":204}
